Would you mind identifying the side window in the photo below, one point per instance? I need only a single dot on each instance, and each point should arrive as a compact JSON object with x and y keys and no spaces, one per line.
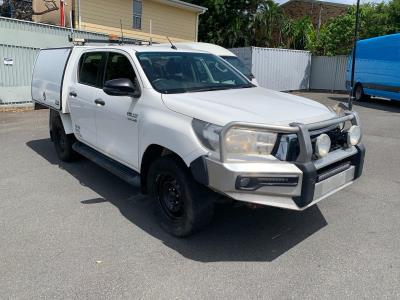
{"x":119,"y":66}
{"x":91,"y":68}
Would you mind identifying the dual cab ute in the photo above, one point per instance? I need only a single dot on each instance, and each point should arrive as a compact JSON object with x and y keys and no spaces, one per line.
{"x":188,"y":127}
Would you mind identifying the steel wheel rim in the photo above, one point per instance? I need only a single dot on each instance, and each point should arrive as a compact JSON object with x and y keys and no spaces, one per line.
{"x":169,"y":195}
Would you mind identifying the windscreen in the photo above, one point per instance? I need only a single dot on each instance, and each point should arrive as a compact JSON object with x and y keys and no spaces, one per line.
{"x":238,"y":64}
{"x":182,"y":72}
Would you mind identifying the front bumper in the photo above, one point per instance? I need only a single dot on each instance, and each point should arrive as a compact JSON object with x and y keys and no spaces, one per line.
{"x":314,"y":180}
{"x":292,"y":185}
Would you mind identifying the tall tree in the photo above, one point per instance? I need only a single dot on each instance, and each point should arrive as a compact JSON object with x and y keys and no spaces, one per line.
{"x":299,"y":34}
{"x":235,"y":23}
{"x":265,"y":25}
{"x":239,"y":23}
{"x":376,"y":19}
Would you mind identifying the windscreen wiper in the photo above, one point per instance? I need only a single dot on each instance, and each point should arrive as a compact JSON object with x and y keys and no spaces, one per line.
{"x":211,"y":88}
{"x":243,"y":86}
{"x":174,"y":91}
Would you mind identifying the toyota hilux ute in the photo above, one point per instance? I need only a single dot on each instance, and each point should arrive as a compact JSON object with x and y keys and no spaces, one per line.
{"x":190,"y":130}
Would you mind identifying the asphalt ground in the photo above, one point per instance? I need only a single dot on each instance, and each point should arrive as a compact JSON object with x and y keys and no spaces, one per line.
{"x":75,"y":231}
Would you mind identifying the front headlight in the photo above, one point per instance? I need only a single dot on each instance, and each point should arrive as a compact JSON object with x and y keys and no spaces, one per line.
{"x":238,"y":141}
{"x":249,"y":142}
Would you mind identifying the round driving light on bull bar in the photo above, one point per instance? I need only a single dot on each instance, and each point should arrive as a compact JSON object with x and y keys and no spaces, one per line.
{"x":353,"y":135}
{"x":322,"y":145}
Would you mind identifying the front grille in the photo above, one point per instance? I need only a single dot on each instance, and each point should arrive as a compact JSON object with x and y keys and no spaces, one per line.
{"x":338,"y":140}
{"x":289,"y":149}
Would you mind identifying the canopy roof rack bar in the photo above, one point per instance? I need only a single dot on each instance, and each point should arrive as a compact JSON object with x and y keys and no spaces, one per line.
{"x":111,"y":40}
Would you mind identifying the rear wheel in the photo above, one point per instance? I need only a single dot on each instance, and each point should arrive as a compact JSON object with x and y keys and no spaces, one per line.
{"x":63,"y":142}
{"x":183,"y":206}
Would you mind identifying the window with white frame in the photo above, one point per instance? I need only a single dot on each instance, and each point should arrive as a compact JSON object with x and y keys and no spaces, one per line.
{"x":137,"y":14}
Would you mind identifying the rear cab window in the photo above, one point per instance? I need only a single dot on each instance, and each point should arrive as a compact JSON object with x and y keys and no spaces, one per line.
{"x":95,"y":68}
{"x":91,"y":69}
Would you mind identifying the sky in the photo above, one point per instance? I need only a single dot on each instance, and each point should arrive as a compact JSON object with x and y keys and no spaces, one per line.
{"x":341,"y":1}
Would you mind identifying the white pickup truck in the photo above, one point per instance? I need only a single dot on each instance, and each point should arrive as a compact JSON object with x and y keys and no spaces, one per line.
{"x":189,"y":129}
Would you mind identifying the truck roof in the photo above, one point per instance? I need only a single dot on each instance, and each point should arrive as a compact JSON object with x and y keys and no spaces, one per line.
{"x":198,"y":46}
{"x":136,"y":48}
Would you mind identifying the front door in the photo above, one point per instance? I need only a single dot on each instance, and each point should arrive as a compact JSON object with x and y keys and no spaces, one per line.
{"x":83,"y":93}
{"x":117,"y":119}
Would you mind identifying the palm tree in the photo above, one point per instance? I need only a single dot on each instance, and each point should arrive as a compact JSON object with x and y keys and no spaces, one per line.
{"x":266,"y":24}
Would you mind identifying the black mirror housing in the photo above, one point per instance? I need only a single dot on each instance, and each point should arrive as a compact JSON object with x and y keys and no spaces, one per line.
{"x":122,"y":87}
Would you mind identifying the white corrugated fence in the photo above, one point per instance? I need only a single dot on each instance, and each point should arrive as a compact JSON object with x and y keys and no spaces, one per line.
{"x":328,"y":73}
{"x":278,"y":69}
{"x":286,"y":69}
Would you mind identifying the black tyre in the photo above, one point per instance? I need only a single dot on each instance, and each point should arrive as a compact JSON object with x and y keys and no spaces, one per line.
{"x":183,"y":205}
{"x":63,"y":142}
{"x":359,"y":93}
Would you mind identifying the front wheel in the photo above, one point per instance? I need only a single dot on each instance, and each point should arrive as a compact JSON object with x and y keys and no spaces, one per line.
{"x":359,"y":93}
{"x":183,"y":205}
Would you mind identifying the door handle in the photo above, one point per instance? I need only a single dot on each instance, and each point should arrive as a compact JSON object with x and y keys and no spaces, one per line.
{"x":73,"y":94}
{"x":99,"y":102}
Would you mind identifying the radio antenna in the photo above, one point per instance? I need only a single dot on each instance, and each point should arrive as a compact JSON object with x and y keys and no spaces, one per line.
{"x":172,"y":45}
{"x":71,"y":25}
{"x":122,"y":32}
{"x":151,"y":33}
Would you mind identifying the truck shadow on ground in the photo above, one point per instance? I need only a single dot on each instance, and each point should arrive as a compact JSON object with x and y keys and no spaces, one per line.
{"x":373,"y":103}
{"x":236,"y":233}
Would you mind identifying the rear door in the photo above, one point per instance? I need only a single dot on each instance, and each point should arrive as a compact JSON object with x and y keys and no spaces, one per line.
{"x":117,"y":119}
{"x":84,"y":93}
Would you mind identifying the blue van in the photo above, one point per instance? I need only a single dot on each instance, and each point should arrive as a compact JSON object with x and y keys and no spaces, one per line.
{"x":377,"y":71}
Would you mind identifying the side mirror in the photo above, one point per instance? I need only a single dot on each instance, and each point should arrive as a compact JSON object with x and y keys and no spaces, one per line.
{"x":122,"y":87}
